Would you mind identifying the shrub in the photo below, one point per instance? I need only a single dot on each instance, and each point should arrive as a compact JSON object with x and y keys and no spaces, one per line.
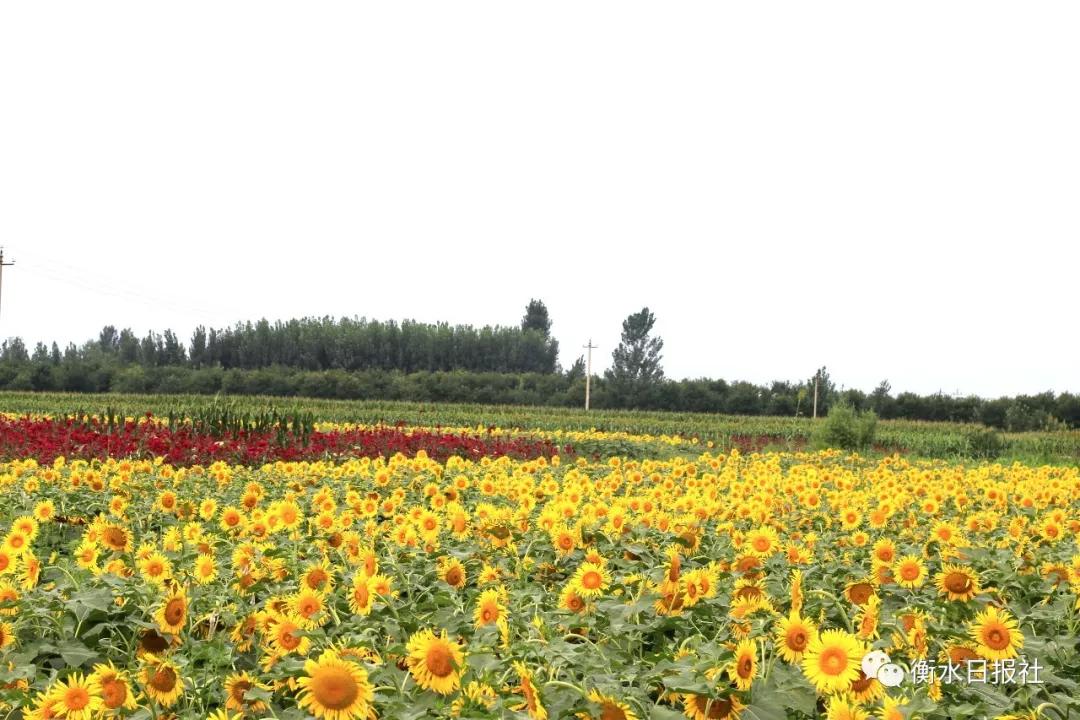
{"x":985,"y":443}
{"x":846,"y":429}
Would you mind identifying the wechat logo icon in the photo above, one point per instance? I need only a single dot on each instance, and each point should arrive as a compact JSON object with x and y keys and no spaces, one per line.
{"x":877,"y":664}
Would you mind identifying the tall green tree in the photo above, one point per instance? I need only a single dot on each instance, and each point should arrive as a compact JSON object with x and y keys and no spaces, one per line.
{"x":635,"y":364}
{"x":536,"y":318}
{"x":826,"y":389}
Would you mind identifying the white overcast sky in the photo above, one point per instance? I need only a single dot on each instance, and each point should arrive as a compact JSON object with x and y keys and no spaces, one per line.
{"x":888,"y":189}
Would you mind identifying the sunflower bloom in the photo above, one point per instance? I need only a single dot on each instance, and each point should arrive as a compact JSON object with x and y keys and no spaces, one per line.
{"x":527,"y":687}
{"x":335,"y":689}
{"x":116,"y":689}
{"x":435,"y":662}
{"x":162,"y":682}
{"x":910,"y":572}
{"x":361,"y":596}
{"x":79,"y":698}
{"x":590,"y":580}
{"x":700,"y":707}
{"x":452,"y":573}
{"x":743,"y":669}
{"x":842,"y":707}
{"x":236,"y":688}
{"x":997,"y":634}
{"x":489,"y":608}
{"x":611,"y":708}
{"x":793,"y":635}
{"x":832,"y":660}
{"x":958,"y":582}
{"x":172,"y":615}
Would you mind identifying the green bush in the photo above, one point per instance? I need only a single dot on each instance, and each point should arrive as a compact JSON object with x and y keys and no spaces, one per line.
{"x":846,"y":429}
{"x":985,"y":443}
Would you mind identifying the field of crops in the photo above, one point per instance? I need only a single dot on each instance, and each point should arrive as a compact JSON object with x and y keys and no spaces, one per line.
{"x":244,"y":563}
{"x":921,"y":439}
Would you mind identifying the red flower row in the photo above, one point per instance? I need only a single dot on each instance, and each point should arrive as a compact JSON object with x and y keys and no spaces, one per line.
{"x":45,"y":440}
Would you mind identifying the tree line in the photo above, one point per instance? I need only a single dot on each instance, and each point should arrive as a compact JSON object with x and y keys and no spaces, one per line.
{"x":355,"y":358}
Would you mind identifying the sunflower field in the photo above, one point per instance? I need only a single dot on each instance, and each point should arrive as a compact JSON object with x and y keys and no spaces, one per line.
{"x":707,"y":585}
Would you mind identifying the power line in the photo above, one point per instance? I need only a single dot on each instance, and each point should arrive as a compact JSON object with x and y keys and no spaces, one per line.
{"x":588,"y":372}
{"x":199,"y":311}
{"x":118,"y":285}
{"x":2,"y":266}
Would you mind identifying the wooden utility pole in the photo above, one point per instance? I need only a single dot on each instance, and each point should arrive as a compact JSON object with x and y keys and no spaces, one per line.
{"x":2,"y":266}
{"x":588,"y":372}
{"x":815,"y":392}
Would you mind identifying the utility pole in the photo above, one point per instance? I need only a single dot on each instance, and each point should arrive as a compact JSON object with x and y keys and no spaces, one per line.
{"x":815,"y":392}
{"x":588,"y":372}
{"x":5,"y":264}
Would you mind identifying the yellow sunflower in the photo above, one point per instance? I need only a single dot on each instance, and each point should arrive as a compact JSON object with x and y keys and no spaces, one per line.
{"x":527,"y":687}
{"x":45,"y":510}
{"x":796,"y":591}
{"x":997,"y":634}
{"x":289,"y":515}
{"x":223,"y":714}
{"x":563,"y":540}
{"x":611,"y":708}
{"x":45,"y":707}
{"x":793,"y":635}
{"x":844,"y":707}
{"x":9,"y":599}
{"x":868,"y":618}
{"x":172,"y":615}
{"x":242,"y":634}
{"x":910,"y":572}
{"x":435,"y":662}
{"x":318,"y":577}
{"x":884,"y":551}
{"x":866,"y":689}
{"x":86,"y":557}
{"x":489,"y":608}
{"x":361,"y":596}
{"x":7,"y":634}
{"x":309,"y":607}
{"x":155,"y":568}
{"x":570,"y":600}
{"x":116,"y":538}
{"x":700,"y":707}
{"x":831,"y":661}
{"x":236,"y":688}
{"x":859,"y":591}
{"x":162,"y":682}
{"x":763,"y":542}
{"x":79,"y":698}
{"x":116,"y":690}
{"x":743,"y":669}
{"x":383,"y":586}
{"x":590,"y":580}
{"x":16,"y":542}
{"x":205,"y":569}
{"x":891,"y":708}
{"x":452,"y":572}
{"x":285,"y":636}
{"x":958,"y":582}
{"x":335,"y":689}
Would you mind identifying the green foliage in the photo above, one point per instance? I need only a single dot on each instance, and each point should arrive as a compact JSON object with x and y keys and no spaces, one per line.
{"x":539,"y":404}
{"x":635,"y":363}
{"x":1024,"y":417}
{"x":536,"y":318}
{"x":847,"y":429}
{"x":985,"y":443}
{"x":358,"y":359}
{"x":826,"y":389}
